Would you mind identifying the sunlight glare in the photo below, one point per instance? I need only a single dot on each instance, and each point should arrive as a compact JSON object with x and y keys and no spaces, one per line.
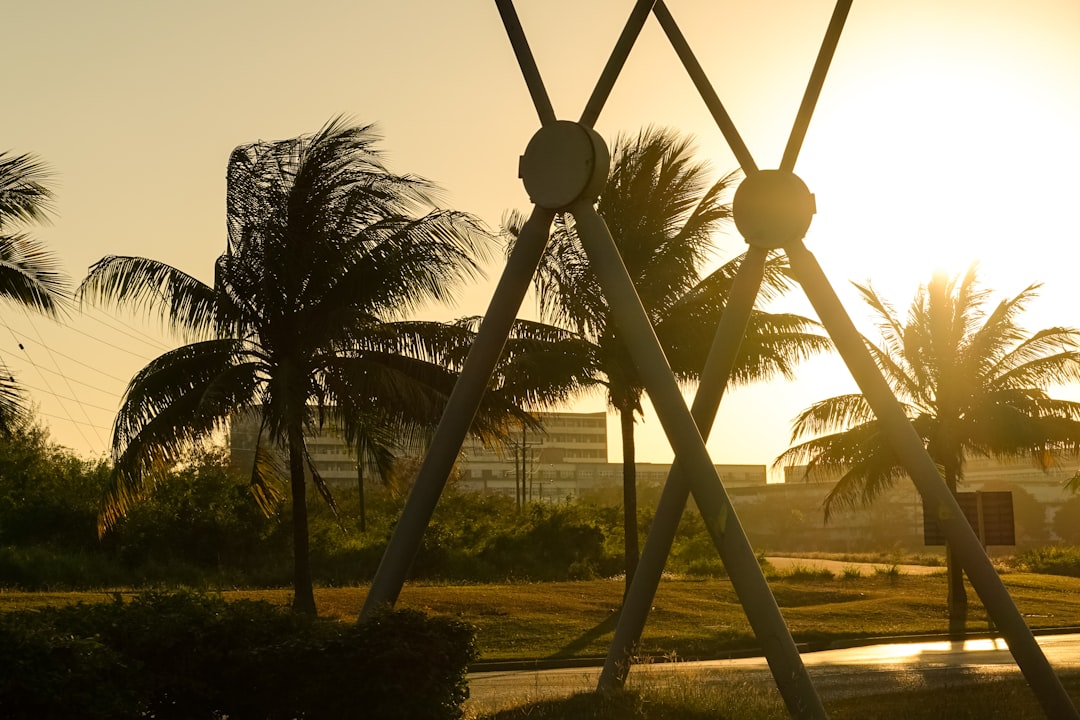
{"x":933,"y":164}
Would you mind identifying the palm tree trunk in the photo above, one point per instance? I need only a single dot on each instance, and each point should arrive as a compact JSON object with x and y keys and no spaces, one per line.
{"x":360,"y":491}
{"x":630,"y":526}
{"x":957,"y":597}
{"x":303,"y":593}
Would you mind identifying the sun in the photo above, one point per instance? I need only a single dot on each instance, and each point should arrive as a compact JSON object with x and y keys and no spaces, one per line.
{"x":938,"y":159}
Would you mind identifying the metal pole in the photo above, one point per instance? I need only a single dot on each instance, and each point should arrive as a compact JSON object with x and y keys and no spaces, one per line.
{"x":526,"y":61}
{"x":615,"y":62}
{"x":772,"y":632}
{"x":714,"y":378}
{"x":813,"y":87}
{"x":461,"y":408}
{"x":909,"y":448}
{"x":705,"y":88}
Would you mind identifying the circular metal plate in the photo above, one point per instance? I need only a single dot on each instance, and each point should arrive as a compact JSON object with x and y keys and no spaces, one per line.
{"x":564,"y":162}
{"x":773,"y":208}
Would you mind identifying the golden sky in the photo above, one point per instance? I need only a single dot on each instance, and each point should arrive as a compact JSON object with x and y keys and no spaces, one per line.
{"x":946,"y":132}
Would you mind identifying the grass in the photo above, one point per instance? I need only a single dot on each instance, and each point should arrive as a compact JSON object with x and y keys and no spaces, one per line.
{"x":695,"y":618}
{"x":691,"y":617}
{"x":691,"y":698}
{"x":699,"y":618}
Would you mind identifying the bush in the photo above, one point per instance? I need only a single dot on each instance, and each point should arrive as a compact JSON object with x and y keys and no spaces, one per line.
{"x":551,"y":542}
{"x":189,"y":655}
{"x":1051,"y":560}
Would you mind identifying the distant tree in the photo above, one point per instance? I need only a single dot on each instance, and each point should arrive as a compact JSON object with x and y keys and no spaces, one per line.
{"x":970,"y":379}
{"x":48,"y":494}
{"x":29,"y":273}
{"x":305,"y":324}
{"x":201,"y":521}
{"x":1066,"y":521}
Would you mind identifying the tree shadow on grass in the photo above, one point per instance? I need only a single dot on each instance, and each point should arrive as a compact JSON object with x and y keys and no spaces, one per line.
{"x":575,"y":646}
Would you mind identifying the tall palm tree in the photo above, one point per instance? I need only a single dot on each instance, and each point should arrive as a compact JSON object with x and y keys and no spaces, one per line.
{"x":29,"y":273}
{"x":664,"y":215}
{"x":328,"y":253}
{"x":971,"y":380}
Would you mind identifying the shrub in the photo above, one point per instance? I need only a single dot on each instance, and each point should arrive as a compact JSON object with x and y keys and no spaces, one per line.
{"x":707,"y":567}
{"x":44,"y":674}
{"x":1051,"y":560}
{"x":806,"y":572}
{"x":188,"y":655}
{"x":852,"y":572}
{"x":890,"y":572}
{"x":551,"y":542}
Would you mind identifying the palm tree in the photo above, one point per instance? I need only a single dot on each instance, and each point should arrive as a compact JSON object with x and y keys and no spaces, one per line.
{"x":29,"y":273}
{"x":664,"y":215}
{"x":970,"y":379}
{"x":305,"y":324}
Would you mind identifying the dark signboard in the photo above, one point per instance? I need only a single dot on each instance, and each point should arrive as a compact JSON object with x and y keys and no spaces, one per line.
{"x":989,"y":513}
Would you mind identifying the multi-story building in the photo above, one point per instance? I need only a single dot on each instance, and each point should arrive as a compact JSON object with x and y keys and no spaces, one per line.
{"x":568,"y":457}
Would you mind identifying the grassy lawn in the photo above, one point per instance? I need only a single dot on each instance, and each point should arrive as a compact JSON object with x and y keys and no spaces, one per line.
{"x":743,"y":701}
{"x":697,"y":618}
{"x":691,"y":618}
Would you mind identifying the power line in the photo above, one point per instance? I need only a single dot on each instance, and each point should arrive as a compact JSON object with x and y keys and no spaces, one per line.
{"x":109,"y":344}
{"x":46,"y":380}
{"x":75,"y":422}
{"x":135,"y":333}
{"x":65,"y":397}
{"x":88,"y":367}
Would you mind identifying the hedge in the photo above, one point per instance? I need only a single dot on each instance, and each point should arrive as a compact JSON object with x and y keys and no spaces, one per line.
{"x":191,"y":655}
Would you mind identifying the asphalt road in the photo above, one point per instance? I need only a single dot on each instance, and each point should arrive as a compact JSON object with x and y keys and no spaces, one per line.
{"x":848,"y":672}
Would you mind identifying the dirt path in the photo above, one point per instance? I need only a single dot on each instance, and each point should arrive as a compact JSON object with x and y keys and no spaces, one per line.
{"x":838,"y":567}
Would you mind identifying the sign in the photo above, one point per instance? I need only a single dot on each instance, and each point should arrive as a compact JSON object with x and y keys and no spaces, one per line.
{"x":989,"y":513}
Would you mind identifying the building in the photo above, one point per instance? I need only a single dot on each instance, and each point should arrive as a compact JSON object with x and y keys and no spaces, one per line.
{"x":568,"y":457}
{"x":1044,"y":510}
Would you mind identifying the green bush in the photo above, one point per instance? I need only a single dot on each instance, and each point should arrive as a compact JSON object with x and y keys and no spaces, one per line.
{"x":1051,"y":560}
{"x":48,"y":567}
{"x":46,"y":674}
{"x":551,"y":542}
{"x":187,"y":655}
{"x":200,"y":527}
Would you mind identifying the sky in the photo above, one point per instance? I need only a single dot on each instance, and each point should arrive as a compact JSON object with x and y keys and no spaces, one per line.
{"x":946,"y":133}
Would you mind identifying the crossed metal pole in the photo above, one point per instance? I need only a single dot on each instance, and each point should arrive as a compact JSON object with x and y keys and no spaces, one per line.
{"x":564,"y":169}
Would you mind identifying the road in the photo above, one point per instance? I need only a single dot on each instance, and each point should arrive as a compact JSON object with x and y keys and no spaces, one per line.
{"x":848,"y":672}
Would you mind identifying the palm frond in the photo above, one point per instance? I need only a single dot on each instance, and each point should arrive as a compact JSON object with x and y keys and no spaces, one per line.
{"x":1048,"y":357}
{"x":832,"y":415}
{"x":888,"y":323}
{"x":267,"y":479}
{"x":905,"y":382}
{"x":14,"y":412}
{"x":405,"y":262}
{"x":543,"y":366}
{"x":172,"y":404}
{"x":25,"y":196}
{"x":320,"y":485}
{"x":182,"y":302}
{"x":30,"y":275}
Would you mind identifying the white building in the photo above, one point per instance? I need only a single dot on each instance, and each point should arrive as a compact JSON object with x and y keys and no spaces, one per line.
{"x":568,"y":457}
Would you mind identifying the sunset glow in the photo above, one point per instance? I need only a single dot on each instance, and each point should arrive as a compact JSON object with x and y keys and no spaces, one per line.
{"x":945,"y":133}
